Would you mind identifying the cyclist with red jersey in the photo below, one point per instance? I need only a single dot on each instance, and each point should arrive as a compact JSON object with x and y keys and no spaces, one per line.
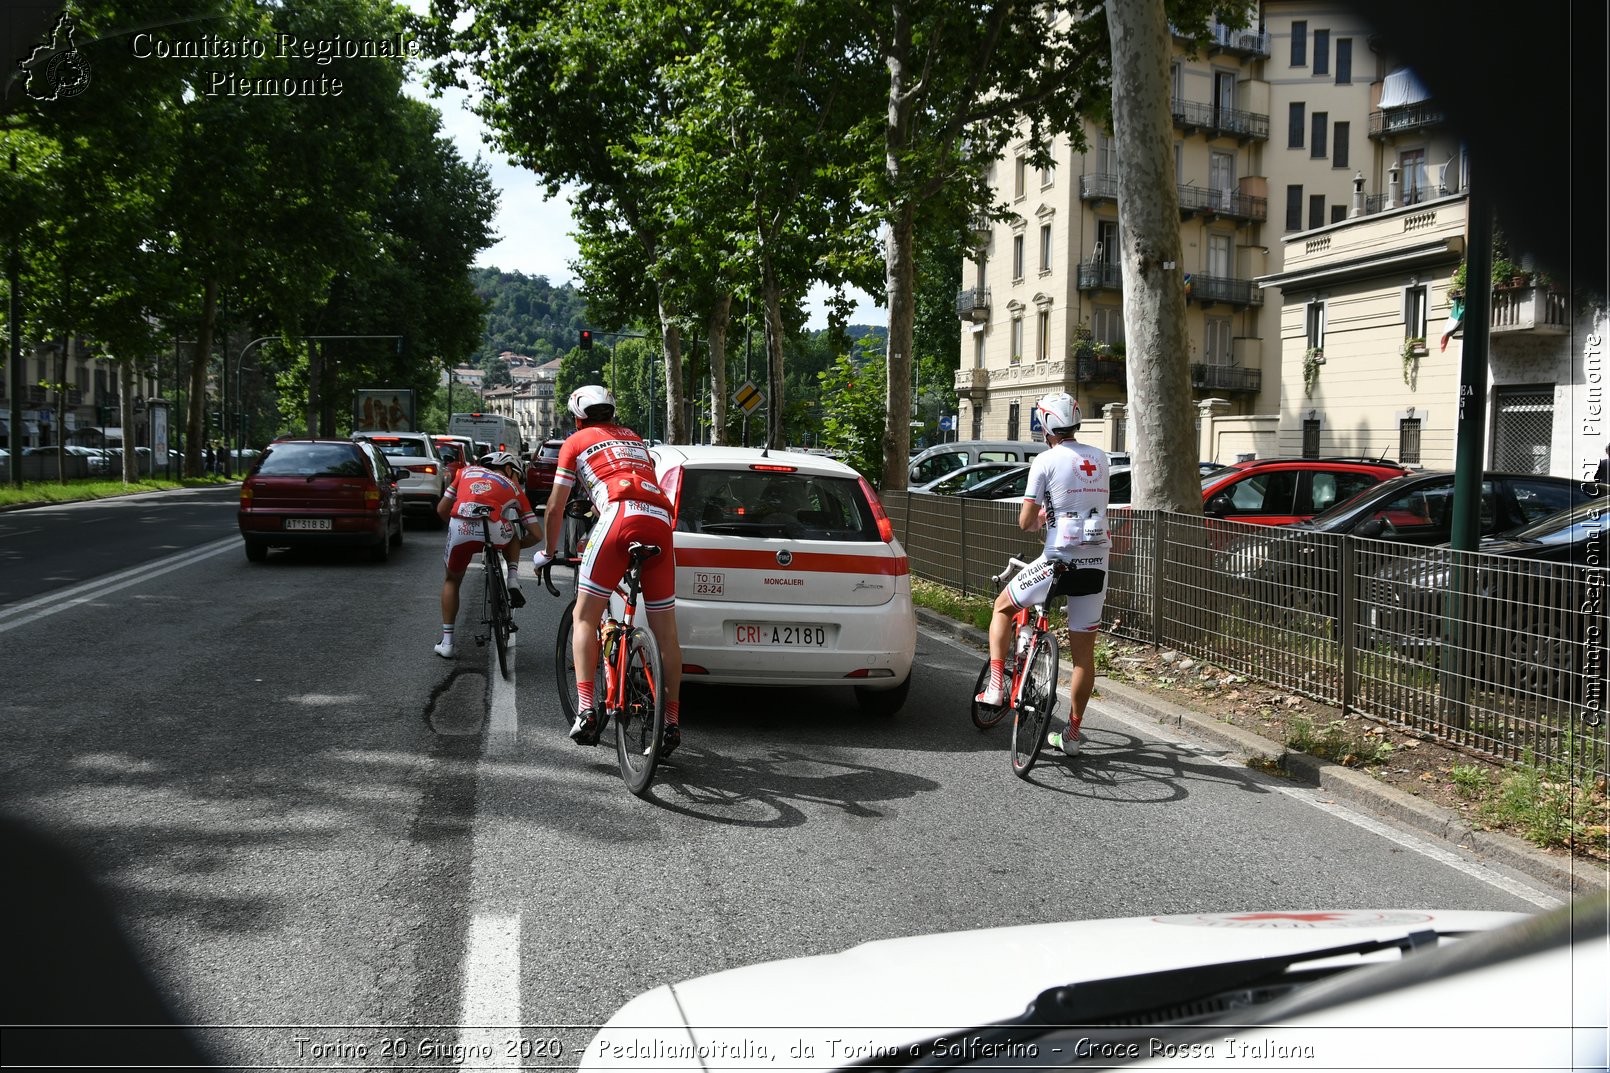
{"x":486,"y":490}
{"x":613,"y":465}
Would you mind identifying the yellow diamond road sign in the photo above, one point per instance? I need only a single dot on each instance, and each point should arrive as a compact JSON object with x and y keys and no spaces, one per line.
{"x":748,"y":398}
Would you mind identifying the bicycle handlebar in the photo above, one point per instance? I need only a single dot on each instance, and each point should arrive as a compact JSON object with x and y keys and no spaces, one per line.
{"x":546,"y":573}
{"x":1011,"y":563}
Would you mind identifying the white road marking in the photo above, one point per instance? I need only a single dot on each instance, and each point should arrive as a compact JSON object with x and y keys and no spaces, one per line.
{"x":1313,"y":798}
{"x":490,"y":1012}
{"x":89,"y":591}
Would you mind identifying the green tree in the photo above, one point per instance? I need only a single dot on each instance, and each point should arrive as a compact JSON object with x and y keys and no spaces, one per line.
{"x":854,"y":424}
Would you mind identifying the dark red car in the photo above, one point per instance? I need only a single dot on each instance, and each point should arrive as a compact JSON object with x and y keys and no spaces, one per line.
{"x":1279,"y":491}
{"x":307,"y":492}
{"x":539,"y":471}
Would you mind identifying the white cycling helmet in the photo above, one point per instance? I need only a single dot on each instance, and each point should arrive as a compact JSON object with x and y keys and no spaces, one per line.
{"x":499,"y":460}
{"x":591,"y":397}
{"x":1059,"y":413}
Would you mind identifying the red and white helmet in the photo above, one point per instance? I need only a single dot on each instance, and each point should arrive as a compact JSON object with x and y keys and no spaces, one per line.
{"x":591,"y":397}
{"x":1059,"y":413}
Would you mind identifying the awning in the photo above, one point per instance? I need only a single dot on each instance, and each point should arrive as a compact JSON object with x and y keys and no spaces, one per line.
{"x":1402,"y":87}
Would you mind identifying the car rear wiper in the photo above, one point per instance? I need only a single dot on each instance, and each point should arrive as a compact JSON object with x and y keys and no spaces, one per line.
{"x":1124,"y":1004}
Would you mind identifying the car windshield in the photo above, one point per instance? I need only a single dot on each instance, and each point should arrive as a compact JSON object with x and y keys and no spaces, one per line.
{"x":803,"y":506}
{"x":312,"y":460}
{"x":1582,"y":522}
{"x":1218,"y":475}
{"x":1387,"y":489}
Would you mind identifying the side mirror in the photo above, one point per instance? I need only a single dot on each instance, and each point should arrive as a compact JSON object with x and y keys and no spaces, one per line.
{"x":1219,"y":504}
{"x":1373,"y":528}
{"x":398,"y":474}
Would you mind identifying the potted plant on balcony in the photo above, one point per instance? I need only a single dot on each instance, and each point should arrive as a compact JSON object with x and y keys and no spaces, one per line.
{"x":1312,"y":360}
{"x":1414,"y":348}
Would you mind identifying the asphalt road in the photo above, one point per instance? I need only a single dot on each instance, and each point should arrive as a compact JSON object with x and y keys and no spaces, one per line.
{"x":322,"y":835}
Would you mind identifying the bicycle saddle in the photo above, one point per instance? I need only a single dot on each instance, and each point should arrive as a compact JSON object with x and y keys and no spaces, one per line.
{"x":642,"y":551}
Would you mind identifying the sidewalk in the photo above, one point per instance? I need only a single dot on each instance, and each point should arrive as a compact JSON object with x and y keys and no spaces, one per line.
{"x":1355,"y":787}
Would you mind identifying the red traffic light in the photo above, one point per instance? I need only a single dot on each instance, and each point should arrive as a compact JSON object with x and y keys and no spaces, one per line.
{"x":586,"y":339}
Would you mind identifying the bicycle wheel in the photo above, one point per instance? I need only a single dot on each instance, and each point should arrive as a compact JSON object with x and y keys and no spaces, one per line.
{"x":564,"y":665}
{"x":499,"y":618}
{"x":985,"y":716}
{"x":1035,"y":704}
{"x":640,"y":724}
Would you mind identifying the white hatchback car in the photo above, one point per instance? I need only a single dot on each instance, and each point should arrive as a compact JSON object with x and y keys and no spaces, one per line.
{"x":788,"y":573}
{"x":416,"y":453}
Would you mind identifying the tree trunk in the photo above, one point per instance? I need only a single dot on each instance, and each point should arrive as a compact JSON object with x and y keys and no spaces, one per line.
{"x":773,"y":298}
{"x":125,"y":415}
{"x":63,"y":363}
{"x":671,"y":336}
{"x":900,"y":278}
{"x":1160,"y":407}
{"x":195,"y":422}
{"x":315,"y":373}
{"x":720,"y":320}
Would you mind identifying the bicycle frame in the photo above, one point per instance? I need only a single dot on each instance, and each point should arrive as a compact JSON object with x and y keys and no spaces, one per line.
{"x":1036,"y":618}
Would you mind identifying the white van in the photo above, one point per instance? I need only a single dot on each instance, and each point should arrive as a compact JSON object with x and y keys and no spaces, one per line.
{"x":944,"y":458}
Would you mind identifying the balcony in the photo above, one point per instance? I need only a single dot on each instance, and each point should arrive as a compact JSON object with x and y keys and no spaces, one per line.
{"x":1192,"y":116}
{"x":1096,"y":187}
{"x":1239,"y":42}
{"x":1405,"y":120}
{"x":1228,"y":378}
{"x":1530,"y":309}
{"x":972,"y":304}
{"x":1100,"y":275}
{"x":972,"y":383}
{"x":1210,"y":290}
{"x":1221,"y":203}
{"x":1100,"y":371}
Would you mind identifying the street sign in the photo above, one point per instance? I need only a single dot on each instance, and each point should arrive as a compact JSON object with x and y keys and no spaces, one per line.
{"x":947,"y":423}
{"x":1034,"y":420}
{"x":748,"y":398}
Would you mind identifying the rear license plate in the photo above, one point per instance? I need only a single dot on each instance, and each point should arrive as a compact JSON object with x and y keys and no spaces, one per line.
{"x":778,"y":635}
{"x":307,"y":523}
{"x":708,"y":584}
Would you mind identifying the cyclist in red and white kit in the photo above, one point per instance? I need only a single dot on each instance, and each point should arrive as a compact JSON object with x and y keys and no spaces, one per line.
{"x":488,"y":490}
{"x":1067,"y":494}
{"x":613,"y":464}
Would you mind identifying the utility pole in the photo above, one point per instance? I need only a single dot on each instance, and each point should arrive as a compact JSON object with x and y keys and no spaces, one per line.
{"x":14,"y":277}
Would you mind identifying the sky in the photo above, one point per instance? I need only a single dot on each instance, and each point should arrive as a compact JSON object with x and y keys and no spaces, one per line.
{"x":534,"y":232}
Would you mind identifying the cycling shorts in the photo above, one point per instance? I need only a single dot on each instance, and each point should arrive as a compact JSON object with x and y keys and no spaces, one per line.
{"x":1084,"y":586}
{"x":604,"y":561}
{"x":465,"y":539}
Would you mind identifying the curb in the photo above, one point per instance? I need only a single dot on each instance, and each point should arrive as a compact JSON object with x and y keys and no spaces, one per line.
{"x":37,"y":503}
{"x":1352,"y":785}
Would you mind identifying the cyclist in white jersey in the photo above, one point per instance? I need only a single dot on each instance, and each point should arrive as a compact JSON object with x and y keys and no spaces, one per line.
{"x":1066,"y":495}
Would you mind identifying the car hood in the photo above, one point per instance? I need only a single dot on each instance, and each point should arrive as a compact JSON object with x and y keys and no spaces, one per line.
{"x":896,"y":992}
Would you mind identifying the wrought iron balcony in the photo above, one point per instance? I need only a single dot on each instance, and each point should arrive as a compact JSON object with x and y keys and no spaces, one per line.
{"x":1225,"y":203}
{"x":1095,"y":187}
{"x":1208,"y":290}
{"x":1226,"y":378}
{"x":1099,"y":371}
{"x":1100,"y":275}
{"x":1192,"y":116}
{"x":972,"y":304}
{"x":1240,"y":42}
{"x":1411,"y":117}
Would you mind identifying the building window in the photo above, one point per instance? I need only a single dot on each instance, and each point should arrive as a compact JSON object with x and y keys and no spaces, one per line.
{"x":978,"y":350}
{"x":1294,"y":130}
{"x":1523,"y":428}
{"x":1321,"y":126}
{"x":1294,"y":208}
{"x":1011,"y":420}
{"x":1043,"y":323}
{"x":1176,"y":80}
{"x":1338,"y":144}
{"x":1409,"y":441}
{"x":1414,"y":312}
{"x":1106,"y":156}
{"x":1316,"y":326}
{"x":1322,"y":52}
{"x":1048,"y":174}
{"x":1299,"y":43}
{"x":1338,"y":213}
{"x":1344,"y":61}
{"x":1217,"y":341}
{"x":1017,"y":257}
{"x":1107,"y":324}
{"x":1310,"y":437}
{"x":1412,"y":167}
{"x":1045,"y":247}
{"x":1179,"y":161}
{"x":1020,"y":172}
{"x":1316,"y":210}
{"x":1017,"y":340}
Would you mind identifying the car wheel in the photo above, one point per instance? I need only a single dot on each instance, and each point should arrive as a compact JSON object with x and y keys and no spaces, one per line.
{"x":256,"y":551}
{"x":883,"y":702}
{"x":1539,"y":661}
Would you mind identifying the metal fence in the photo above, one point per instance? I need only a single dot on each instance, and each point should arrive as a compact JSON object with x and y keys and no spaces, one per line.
{"x":1502,"y":656}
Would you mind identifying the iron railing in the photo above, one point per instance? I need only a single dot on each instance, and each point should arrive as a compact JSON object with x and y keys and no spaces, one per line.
{"x":1403,"y":120}
{"x":1226,"y":377}
{"x":1094,"y":275}
{"x":1501,"y":656}
{"x":1100,"y":370}
{"x":1200,"y":115}
{"x":1227,"y":289}
{"x":1226,"y":203}
{"x":972,"y":303}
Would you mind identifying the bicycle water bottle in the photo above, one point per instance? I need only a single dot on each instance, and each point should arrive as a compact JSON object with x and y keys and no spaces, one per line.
{"x":1094,"y":533}
{"x":1025,"y":637}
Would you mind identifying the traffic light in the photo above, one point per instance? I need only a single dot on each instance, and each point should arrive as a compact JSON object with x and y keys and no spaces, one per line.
{"x":586,"y":339}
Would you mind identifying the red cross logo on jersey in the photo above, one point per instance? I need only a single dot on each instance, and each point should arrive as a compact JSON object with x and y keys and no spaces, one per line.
{"x":1088,"y":468}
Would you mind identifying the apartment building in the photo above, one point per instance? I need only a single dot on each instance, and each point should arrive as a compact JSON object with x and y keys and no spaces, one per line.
{"x":76,"y":402}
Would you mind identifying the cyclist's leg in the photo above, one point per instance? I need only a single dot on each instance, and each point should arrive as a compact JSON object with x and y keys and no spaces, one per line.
{"x":601,"y":568}
{"x":659,"y":600}
{"x":1084,"y":619}
{"x":456,"y":558}
{"x":1027,"y":588}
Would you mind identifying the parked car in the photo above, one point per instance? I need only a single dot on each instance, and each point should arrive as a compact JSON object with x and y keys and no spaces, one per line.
{"x":462,"y":450}
{"x":788,"y":574}
{"x":1279,"y":491}
{"x":1010,"y":484}
{"x":415,"y":453}
{"x":1534,"y":610}
{"x":321,"y":492}
{"x":959,"y":480}
{"x":539,"y":470}
{"x":944,"y":458}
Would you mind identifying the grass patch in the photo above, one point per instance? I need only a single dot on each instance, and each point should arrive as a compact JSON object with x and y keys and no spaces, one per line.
{"x":1469,"y":780}
{"x":973,"y":610}
{"x":76,"y":491}
{"x":1551,"y":809}
{"x":1336,"y":741}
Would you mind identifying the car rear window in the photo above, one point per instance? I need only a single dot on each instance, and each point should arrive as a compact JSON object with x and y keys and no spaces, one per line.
{"x":312,"y":460}
{"x":393,"y":447}
{"x":800,"y":506}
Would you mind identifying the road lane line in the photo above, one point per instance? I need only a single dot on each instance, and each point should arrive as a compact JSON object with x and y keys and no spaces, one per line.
{"x":89,"y":591}
{"x":490,"y":1012}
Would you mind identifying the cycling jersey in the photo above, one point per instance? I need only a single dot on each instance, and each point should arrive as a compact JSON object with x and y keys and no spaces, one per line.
{"x":482,"y":493}
{"x":612,"y":462}
{"x":1070,"y":482}
{"x":614,"y":465}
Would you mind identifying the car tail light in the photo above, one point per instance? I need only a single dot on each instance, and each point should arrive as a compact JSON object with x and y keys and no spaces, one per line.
{"x":871,"y":672}
{"x":671,"y":483}
{"x":764,"y":468}
{"x":246,"y":493}
{"x":693,"y":668}
{"x":885,"y":526}
{"x":425,"y":469}
{"x":371,"y":494}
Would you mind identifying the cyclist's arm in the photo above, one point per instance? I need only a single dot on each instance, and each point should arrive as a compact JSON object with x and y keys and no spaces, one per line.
{"x":1031,"y":516}
{"x":444,"y":505}
{"x":555,"y":510}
